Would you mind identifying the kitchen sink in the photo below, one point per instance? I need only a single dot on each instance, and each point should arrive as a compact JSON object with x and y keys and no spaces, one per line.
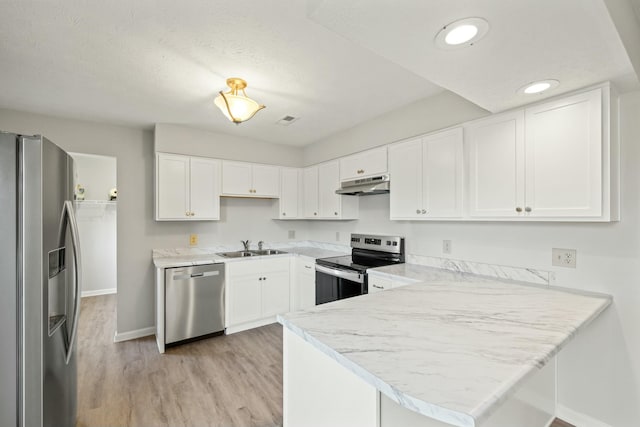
{"x":241,"y":254}
{"x":236,"y":254}
{"x":268,"y":252}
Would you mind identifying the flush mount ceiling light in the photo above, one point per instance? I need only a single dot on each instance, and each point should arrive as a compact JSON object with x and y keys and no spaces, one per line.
{"x":540,"y":86}
{"x":461,"y":33}
{"x":235,"y":104}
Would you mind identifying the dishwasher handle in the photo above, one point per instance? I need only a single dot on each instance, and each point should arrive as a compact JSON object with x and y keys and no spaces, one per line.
{"x":189,"y":276}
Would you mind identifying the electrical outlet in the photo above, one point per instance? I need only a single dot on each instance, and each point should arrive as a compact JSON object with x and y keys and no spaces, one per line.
{"x":193,"y":240}
{"x":337,"y":236}
{"x":292,"y":234}
{"x":446,"y":246}
{"x":564,"y":257}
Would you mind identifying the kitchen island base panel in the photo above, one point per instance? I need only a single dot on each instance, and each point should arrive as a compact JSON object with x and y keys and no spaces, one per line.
{"x":319,"y":391}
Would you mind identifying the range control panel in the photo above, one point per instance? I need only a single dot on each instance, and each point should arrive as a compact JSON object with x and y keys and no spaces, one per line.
{"x":378,"y":243}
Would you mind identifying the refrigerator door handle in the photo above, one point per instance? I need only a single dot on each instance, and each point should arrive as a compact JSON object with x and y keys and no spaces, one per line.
{"x":68,"y":212}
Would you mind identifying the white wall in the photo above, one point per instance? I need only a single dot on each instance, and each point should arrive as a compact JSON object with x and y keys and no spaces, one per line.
{"x":436,"y":112}
{"x":138,"y":232}
{"x":599,"y":373}
{"x":178,"y":139}
{"x":97,"y":174}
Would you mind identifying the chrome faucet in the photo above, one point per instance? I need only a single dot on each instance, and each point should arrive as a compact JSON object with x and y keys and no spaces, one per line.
{"x":260,"y":243}
{"x":246,"y":243}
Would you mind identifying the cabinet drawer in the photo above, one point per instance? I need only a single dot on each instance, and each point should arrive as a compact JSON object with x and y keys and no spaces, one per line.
{"x":377,"y":284}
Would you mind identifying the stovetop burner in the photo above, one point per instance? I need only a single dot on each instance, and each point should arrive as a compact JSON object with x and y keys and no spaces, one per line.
{"x":368,"y":252}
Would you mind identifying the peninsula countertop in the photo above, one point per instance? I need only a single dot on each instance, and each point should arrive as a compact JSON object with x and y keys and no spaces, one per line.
{"x":452,"y":350}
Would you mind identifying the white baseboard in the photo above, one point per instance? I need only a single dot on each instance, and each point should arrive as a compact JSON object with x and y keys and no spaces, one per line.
{"x":251,"y":325}
{"x":132,"y":335}
{"x":577,"y":419}
{"x":99,"y":292}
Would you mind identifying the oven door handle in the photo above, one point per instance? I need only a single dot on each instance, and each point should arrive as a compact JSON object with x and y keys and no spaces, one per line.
{"x":342,"y":274}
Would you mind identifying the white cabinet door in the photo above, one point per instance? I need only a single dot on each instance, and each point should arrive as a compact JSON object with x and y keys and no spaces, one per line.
{"x":496,"y":166}
{"x":310,"y":180}
{"x":442,"y":173}
{"x":367,"y":163}
{"x":304,"y":289}
{"x":405,"y":172}
{"x":290,"y":191}
{"x":245,"y":298}
{"x":275,"y":293}
{"x":205,"y":188}
{"x":266,"y":181}
{"x":378,"y":284}
{"x":564,"y":157}
{"x":172,"y":188}
{"x":328,"y":183}
{"x":236,"y":178}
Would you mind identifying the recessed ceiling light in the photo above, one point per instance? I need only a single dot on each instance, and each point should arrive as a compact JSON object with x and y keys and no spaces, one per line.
{"x":461,"y":33}
{"x":538,"y":87}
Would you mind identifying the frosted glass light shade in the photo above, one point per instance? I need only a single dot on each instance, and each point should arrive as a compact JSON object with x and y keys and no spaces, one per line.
{"x":240,"y":108}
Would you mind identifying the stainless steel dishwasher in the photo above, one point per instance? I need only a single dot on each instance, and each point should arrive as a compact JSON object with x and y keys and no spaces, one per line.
{"x":194,"y":302}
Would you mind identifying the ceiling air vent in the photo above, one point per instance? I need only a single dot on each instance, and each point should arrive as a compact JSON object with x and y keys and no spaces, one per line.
{"x":286,"y":120}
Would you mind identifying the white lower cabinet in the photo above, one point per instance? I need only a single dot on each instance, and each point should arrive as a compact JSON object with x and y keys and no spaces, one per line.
{"x":378,"y":284}
{"x":256,"y":290}
{"x":304,"y":286}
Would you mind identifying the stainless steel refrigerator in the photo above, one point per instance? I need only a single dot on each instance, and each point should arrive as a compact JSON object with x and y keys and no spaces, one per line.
{"x":40,"y":287}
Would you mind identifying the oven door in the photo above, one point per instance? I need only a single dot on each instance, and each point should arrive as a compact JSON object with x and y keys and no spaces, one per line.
{"x":333,"y":284}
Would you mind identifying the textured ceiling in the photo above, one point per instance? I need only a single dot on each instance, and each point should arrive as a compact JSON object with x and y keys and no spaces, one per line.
{"x":143,"y":62}
{"x":334,"y":63}
{"x":574,"y":41}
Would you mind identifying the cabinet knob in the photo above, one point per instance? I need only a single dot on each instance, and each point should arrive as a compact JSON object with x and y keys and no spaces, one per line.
{"x":315,"y":213}
{"x":417,"y":211}
{"x":518,"y":209}
{"x":527,"y":209}
{"x":378,"y":287}
{"x":260,"y":278}
{"x":424,"y":211}
{"x":264,"y":278}
{"x":335,"y":213}
{"x":193,"y":213}
{"x":284,"y":214}
{"x":360,"y":171}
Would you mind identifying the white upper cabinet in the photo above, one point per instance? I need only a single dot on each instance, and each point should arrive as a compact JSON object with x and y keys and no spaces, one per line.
{"x":290,"y":204}
{"x":427,"y":177}
{"x":405,"y":170}
{"x":364,"y":164}
{"x":496,"y":165}
{"x":550,"y":161}
{"x":266,"y":180}
{"x":564,"y":157}
{"x":205,"y":188}
{"x":250,"y":180}
{"x":310,"y":193}
{"x":443,"y":174}
{"x":187,"y":188}
{"x":328,"y":183}
{"x":320,"y":198}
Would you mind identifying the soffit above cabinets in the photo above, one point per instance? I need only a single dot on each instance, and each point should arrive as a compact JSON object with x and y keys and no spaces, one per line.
{"x":573,"y":41}
{"x":146,"y":62}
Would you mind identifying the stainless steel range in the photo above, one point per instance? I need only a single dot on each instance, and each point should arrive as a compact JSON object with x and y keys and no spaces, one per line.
{"x":346,"y":276}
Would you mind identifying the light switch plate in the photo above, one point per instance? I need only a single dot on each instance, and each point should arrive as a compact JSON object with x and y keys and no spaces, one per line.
{"x":193,"y":240}
{"x":292,"y":234}
{"x":447,"y":246}
{"x":337,"y":236}
{"x":564,"y":257}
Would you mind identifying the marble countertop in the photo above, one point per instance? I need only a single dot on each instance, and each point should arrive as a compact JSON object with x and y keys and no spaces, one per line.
{"x":413,"y":273}
{"x":451,"y":349}
{"x":181,"y":257}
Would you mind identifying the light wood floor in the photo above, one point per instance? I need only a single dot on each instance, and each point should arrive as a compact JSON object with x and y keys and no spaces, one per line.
{"x":227,"y":381}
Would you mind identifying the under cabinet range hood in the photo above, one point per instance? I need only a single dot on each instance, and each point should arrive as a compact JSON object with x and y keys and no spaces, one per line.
{"x":365,"y":186}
